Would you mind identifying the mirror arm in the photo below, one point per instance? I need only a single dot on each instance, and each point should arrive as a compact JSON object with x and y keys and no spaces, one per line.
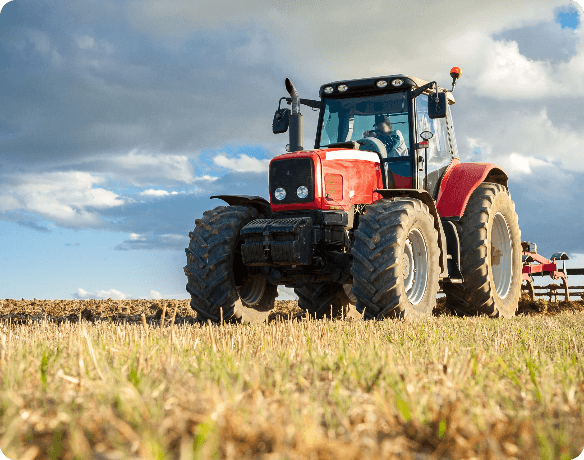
{"x":308,"y":102}
{"x":421,"y":89}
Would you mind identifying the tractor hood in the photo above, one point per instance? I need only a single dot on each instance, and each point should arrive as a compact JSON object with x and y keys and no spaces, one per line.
{"x":326,"y":179}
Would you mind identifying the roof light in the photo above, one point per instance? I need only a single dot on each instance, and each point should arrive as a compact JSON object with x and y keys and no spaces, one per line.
{"x":381,"y":83}
{"x":328,"y":90}
{"x":280,"y":194}
{"x":397,"y":82}
{"x":342,"y":88}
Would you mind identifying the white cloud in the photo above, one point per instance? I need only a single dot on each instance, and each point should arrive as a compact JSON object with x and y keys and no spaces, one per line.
{"x":523,"y":140}
{"x":207,"y":178}
{"x":66,"y":198}
{"x":139,"y":169}
{"x":157,"y":193}
{"x":138,"y":241}
{"x":286,"y":293}
{"x":242,"y":164}
{"x":113,"y":294}
{"x":155,"y":295}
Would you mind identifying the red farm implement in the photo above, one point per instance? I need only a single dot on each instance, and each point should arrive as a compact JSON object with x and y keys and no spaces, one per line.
{"x":535,"y":264}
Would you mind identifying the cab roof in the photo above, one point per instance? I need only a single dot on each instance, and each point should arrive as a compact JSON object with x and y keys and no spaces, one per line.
{"x":367,"y":86}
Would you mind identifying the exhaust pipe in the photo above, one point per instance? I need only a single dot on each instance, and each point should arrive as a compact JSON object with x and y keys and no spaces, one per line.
{"x":296,"y":136}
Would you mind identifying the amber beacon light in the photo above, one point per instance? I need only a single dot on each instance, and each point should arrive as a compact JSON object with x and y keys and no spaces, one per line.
{"x":455,"y":73}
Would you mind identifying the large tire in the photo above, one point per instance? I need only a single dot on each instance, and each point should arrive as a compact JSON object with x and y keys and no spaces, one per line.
{"x":396,"y":260}
{"x":217,"y":277}
{"x":490,"y":250}
{"x":322,"y":300}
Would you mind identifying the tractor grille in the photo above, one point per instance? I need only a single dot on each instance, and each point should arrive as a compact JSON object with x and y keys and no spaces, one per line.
{"x":290,"y":174}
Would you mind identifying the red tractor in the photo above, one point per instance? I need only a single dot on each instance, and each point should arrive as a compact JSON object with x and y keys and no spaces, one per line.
{"x":379,"y":214}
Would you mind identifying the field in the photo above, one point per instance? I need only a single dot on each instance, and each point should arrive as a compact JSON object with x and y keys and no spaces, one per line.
{"x":141,"y":379}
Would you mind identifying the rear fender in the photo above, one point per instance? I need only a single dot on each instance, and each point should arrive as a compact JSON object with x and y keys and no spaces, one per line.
{"x":427,"y":199}
{"x":257,"y":202}
{"x":458,"y":183}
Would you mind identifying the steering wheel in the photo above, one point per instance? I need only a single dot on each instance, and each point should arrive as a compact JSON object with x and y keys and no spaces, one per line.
{"x":371,"y":144}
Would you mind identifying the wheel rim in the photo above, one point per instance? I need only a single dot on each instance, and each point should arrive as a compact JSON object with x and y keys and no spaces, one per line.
{"x":501,"y":255}
{"x":252,"y":290}
{"x":415,"y":267}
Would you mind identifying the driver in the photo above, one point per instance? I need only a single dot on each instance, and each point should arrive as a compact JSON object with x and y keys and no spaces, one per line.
{"x":393,"y":140}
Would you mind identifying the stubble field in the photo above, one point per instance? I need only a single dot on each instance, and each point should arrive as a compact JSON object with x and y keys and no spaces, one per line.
{"x":141,"y":379}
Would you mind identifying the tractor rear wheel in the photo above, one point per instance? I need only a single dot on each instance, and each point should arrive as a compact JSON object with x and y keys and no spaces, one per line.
{"x":490,"y":255}
{"x":322,"y":300}
{"x":396,"y":260}
{"x":217,"y":277}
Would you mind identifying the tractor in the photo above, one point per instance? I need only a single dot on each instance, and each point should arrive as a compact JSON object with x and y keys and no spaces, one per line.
{"x":380,"y":214}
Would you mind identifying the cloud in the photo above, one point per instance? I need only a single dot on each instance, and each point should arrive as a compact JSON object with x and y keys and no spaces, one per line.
{"x":286,"y":293}
{"x":139,"y":169}
{"x":69,"y":199}
{"x":113,"y":294}
{"x":152,"y":241}
{"x":141,"y":103}
{"x":242,"y":164}
{"x":152,"y":192}
{"x":206,"y":177}
{"x":155,"y":295}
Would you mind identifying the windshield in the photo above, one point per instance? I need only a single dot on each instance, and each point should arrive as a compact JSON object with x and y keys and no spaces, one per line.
{"x":381,"y":121}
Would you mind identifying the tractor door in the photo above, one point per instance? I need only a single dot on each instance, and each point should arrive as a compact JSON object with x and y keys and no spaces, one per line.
{"x":442,"y":147}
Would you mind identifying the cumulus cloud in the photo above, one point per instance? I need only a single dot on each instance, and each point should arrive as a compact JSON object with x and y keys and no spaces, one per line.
{"x":155,"y":295}
{"x":184,"y":79}
{"x":525,"y":134}
{"x":113,"y":294}
{"x":139,"y":169}
{"x":70,"y":199}
{"x":244,"y":163}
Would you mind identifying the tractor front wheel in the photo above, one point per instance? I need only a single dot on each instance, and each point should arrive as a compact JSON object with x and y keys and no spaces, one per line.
{"x":490,"y":256}
{"x":217,"y":277}
{"x":396,"y":260}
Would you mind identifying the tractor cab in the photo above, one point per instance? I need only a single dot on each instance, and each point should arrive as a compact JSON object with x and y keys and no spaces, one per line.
{"x":395,"y":117}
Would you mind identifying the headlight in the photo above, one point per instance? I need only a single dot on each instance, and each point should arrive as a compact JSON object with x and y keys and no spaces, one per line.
{"x":280,"y":194}
{"x":302,"y":192}
{"x":381,"y":83}
{"x":342,"y":88}
{"x":329,"y":90}
{"x":397,"y":82}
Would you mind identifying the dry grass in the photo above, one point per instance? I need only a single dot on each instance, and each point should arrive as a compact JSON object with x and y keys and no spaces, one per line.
{"x":445,"y":387}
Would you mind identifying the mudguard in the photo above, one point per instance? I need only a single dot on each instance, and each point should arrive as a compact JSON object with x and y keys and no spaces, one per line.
{"x":257,"y":202}
{"x":458,"y":183}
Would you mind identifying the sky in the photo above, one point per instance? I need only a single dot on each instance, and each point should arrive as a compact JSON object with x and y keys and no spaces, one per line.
{"x":118,"y":120}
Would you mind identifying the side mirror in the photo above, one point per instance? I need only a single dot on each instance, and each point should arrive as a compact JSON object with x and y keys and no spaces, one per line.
{"x":437,"y":105}
{"x":281,"y":121}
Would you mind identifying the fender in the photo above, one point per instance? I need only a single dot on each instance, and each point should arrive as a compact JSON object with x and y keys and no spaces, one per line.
{"x":257,"y":202}
{"x":458,"y":183}
{"x":427,"y":199}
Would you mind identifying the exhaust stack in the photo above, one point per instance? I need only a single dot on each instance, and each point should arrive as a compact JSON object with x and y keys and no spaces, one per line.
{"x":296,"y":135}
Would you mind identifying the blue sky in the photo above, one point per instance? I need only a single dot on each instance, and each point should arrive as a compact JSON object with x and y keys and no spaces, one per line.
{"x":118,"y":120}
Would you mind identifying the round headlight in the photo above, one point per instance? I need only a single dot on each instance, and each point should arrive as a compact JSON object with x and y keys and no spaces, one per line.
{"x":342,"y":88}
{"x":397,"y":82}
{"x":280,"y":194}
{"x":328,"y":90}
{"x":302,"y":192}
{"x":381,"y":83}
